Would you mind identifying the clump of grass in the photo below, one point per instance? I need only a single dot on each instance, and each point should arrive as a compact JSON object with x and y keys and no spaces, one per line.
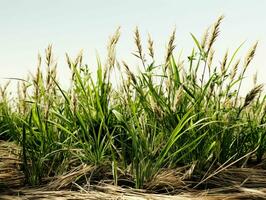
{"x":169,"y":115}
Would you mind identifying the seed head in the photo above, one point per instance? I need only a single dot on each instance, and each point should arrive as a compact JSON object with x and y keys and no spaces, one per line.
{"x":215,"y":32}
{"x":170,"y":46}
{"x":252,"y":95}
{"x":150,"y":47}
{"x":250,"y":55}
{"x":234,"y":70}
{"x":223,"y":64}
{"x":111,"y":49}
{"x":130,"y":74}
{"x":205,"y":38}
{"x":139,"y":53}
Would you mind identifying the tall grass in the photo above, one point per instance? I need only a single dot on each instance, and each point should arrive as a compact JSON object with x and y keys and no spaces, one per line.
{"x":183,"y":112}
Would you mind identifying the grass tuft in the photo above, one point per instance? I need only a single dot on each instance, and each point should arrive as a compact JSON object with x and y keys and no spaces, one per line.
{"x":183,"y":119}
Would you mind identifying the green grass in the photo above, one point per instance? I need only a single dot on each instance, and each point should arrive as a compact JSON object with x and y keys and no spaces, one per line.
{"x":184,"y":112}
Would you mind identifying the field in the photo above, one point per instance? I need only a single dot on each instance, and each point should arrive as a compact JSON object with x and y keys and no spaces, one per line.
{"x":181,"y":126}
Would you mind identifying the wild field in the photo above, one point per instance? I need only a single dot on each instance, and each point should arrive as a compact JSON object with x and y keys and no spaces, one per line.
{"x":170,"y":127}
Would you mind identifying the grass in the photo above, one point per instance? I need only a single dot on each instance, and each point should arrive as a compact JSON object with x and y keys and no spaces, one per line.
{"x":184,"y":113}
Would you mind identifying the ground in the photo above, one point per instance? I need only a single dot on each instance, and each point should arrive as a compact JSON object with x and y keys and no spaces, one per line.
{"x":243,"y":183}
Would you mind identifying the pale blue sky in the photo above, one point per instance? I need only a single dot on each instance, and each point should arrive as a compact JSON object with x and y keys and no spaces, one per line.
{"x":28,"y":26}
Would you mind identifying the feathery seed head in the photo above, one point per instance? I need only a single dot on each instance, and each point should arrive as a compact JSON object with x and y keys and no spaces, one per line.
{"x":3,"y":90}
{"x":49,"y":56}
{"x":205,"y":38}
{"x":139,"y":53}
{"x":223,"y":64}
{"x":130,"y":74}
{"x":111,"y":49}
{"x":234,"y":70}
{"x":150,"y":47}
{"x":177,"y":98}
{"x":170,"y":46}
{"x":252,"y":95}
{"x":214,"y":33}
{"x":250,"y":55}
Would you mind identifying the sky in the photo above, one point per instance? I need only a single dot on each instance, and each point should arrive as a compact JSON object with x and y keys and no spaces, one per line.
{"x":27,"y":27}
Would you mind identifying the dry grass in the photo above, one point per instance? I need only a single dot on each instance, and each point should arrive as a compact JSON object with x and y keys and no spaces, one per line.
{"x":232,"y":183}
{"x":10,"y":175}
{"x":66,"y":180}
{"x":112,"y":192}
